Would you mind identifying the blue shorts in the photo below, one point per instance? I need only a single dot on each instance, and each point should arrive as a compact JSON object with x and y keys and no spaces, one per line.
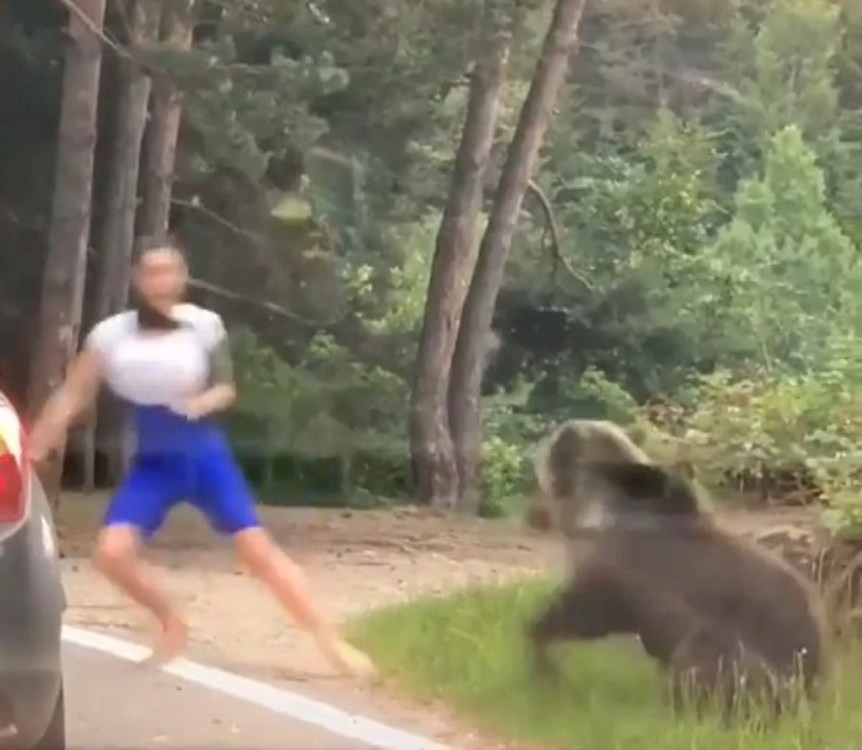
{"x":211,"y":482}
{"x":202,"y":472}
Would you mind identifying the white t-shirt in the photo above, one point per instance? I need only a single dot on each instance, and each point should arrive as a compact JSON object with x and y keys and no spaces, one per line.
{"x":163,"y":368}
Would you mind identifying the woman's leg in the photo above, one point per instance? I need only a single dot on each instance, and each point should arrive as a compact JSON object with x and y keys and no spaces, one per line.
{"x":284,"y":578}
{"x":138,"y":509}
{"x":223,"y":496}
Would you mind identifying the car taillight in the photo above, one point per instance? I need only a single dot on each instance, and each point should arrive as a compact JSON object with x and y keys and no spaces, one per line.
{"x":13,"y":468}
{"x":12,"y":499}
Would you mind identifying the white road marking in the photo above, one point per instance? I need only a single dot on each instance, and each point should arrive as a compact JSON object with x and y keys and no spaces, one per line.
{"x":277,"y":700}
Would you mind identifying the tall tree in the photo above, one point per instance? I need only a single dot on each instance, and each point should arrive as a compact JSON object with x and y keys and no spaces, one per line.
{"x":467,"y":365}
{"x":69,"y":232}
{"x":164,"y":127}
{"x":454,"y":257}
{"x":118,"y":228}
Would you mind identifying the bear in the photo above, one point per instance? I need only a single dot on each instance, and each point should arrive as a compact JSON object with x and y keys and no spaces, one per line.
{"x":730,"y":623}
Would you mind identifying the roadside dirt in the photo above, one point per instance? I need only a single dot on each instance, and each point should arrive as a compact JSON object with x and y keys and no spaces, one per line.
{"x":356,"y":561}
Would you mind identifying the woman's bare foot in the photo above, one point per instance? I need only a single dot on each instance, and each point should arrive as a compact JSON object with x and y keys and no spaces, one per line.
{"x":171,"y":644}
{"x":346,"y":658}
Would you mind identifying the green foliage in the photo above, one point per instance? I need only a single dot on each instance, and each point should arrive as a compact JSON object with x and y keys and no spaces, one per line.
{"x":704,"y":176}
{"x":392,"y":299}
{"x":806,"y":426}
{"x":503,"y":476}
{"x":246,"y":114}
{"x":326,"y":406}
{"x":667,"y":210}
{"x":510,"y":428}
{"x":639,"y":222}
{"x":592,"y":395}
{"x":782,"y":258}
{"x":790,"y":76}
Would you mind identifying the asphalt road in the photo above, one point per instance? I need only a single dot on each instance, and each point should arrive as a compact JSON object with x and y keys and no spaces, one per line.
{"x":116,"y":705}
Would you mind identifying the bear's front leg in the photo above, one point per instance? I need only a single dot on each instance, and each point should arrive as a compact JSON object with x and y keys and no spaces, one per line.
{"x":585,"y":609}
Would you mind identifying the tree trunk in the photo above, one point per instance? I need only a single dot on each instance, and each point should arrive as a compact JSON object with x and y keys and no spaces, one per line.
{"x":432,"y":449}
{"x":118,"y":229}
{"x":69,"y":232}
{"x":164,"y":128}
{"x":469,"y":358}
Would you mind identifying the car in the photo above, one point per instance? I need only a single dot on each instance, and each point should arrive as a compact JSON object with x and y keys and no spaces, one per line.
{"x":32,"y":711}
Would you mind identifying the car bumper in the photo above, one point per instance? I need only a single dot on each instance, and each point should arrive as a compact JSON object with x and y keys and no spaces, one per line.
{"x":31,"y":616}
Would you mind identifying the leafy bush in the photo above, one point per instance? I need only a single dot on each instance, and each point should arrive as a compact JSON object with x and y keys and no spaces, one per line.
{"x":503,"y":476}
{"x":510,"y":428}
{"x":328,"y":406}
{"x":769,"y":427}
{"x":593,"y":396}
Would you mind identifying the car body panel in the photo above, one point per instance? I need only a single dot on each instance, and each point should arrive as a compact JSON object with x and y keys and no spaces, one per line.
{"x":31,"y":613}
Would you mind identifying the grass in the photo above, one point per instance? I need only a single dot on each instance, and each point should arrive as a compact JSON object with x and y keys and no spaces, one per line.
{"x":468,"y":649}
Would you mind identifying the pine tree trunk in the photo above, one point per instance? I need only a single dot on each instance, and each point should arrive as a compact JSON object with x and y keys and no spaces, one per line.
{"x":432,"y":450}
{"x":469,"y":359}
{"x":118,"y":229}
{"x":69,"y":233}
{"x":164,"y":128}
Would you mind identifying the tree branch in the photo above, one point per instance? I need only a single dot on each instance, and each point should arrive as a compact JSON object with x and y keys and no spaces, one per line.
{"x":258,"y":243}
{"x":195,"y":205}
{"x":73,"y":8}
{"x":263,"y":304}
{"x":554,"y":229}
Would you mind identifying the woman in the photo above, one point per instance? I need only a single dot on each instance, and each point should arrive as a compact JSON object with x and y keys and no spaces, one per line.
{"x":171,"y":362}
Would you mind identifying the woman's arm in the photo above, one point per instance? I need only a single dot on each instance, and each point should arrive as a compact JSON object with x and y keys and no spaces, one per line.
{"x":221,"y":393}
{"x":64,"y":405}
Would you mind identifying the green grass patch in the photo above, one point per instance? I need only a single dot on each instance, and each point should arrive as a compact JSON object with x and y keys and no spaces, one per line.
{"x":469,"y":650}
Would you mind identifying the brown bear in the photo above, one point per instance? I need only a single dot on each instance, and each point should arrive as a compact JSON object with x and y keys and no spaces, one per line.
{"x":724,"y":617}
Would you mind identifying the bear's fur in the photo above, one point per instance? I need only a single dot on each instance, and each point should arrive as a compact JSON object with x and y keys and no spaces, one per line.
{"x":724,"y":617}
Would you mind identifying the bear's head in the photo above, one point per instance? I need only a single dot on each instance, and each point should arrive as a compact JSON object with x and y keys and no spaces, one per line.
{"x":590,"y":475}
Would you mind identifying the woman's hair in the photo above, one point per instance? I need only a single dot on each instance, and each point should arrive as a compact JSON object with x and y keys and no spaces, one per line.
{"x":148,"y":245}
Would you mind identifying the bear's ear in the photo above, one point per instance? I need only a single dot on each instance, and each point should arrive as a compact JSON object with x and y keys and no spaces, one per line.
{"x":634,"y":481}
{"x":568,"y":444}
{"x":680,"y":497}
{"x":566,"y":447}
{"x":609,"y":442}
{"x":653,"y":488}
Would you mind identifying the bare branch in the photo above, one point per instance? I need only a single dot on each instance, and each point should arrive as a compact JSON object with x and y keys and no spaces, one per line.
{"x":218,"y":219}
{"x":73,"y":8}
{"x":554,"y":229}
{"x":261,"y":249}
{"x":263,"y":304}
